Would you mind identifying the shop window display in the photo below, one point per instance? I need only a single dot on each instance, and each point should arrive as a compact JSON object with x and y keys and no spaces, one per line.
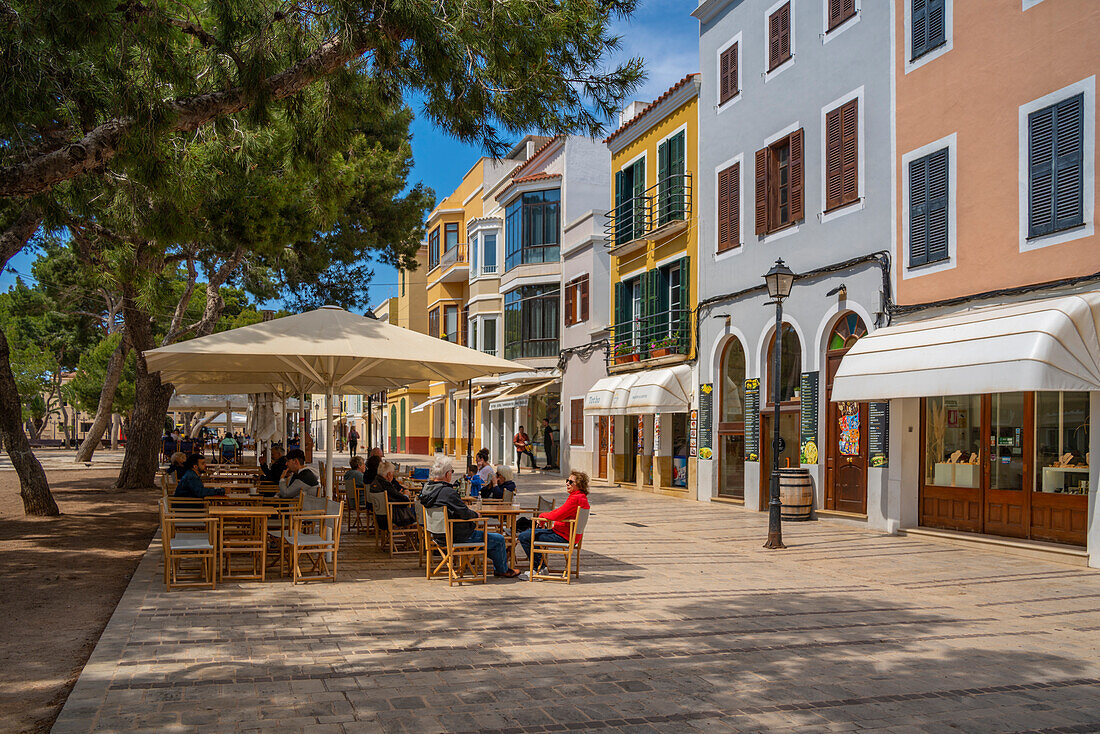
{"x":953,"y":441}
{"x":1062,"y":442}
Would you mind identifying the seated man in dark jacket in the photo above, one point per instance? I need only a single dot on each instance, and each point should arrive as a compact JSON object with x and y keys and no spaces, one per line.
{"x":384,"y":481}
{"x":440,"y":492}
{"x":190,"y":485}
{"x":274,"y":472}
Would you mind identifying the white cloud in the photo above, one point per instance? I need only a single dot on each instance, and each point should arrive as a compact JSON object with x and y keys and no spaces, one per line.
{"x":664,"y":34}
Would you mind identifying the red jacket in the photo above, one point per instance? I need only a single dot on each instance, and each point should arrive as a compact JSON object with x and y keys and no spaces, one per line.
{"x":576,"y":500}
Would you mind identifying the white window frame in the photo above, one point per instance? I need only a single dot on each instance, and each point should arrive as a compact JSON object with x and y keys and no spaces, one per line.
{"x":948,"y":35}
{"x":826,"y":34}
{"x":585,"y":445}
{"x":1088,"y":229}
{"x":737,"y":159}
{"x":769,"y":75}
{"x":719,"y":106}
{"x":473,"y":243}
{"x":496,"y":334}
{"x":861,"y":149}
{"x":949,"y":142}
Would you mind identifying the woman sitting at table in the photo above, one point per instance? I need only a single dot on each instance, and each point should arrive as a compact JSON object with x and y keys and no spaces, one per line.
{"x":502,"y":482}
{"x":577,"y":484}
{"x":404,"y":515}
{"x":356,"y":473}
{"x":175,"y":468}
{"x":190,"y":485}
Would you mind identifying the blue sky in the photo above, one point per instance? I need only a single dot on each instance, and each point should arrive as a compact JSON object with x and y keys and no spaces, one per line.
{"x":661,"y":31}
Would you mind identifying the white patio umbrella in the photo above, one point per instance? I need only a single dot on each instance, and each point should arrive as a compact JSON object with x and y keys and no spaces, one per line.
{"x":329,"y":350}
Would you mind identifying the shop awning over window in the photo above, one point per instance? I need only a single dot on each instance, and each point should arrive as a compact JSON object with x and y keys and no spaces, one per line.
{"x":519,"y":396}
{"x":428,"y":403}
{"x":667,"y":390}
{"x":1050,"y":344}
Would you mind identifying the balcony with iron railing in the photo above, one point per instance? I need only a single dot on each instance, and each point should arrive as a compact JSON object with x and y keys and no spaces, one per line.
{"x":454,"y":263}
{"x":657,"y":213}
{"x":652,"y":336}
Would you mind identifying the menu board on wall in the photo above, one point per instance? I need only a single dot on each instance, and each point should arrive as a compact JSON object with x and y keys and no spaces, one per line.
{"x":752,"y":419}
{"x":706,"y":418}
{"x":693,"y":434}
{"x":808,"y":399}
{"x":878,"y":434}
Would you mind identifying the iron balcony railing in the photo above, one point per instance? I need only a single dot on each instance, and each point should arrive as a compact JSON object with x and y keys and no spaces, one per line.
{"x":650,"y":336}
{"x":456,"y":255}
{"x":666,"y":202}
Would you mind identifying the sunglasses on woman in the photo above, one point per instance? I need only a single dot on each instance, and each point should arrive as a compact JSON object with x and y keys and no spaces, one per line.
{"x":570,"y":481}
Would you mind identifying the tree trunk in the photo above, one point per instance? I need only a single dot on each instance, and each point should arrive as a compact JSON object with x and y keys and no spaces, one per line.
{"x":102,"y":420}
{"x":33,"y":487}
{"x":151,"y":397}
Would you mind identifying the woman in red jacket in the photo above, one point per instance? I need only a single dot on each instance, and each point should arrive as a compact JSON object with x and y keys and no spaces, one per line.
{"x":577,"y":484}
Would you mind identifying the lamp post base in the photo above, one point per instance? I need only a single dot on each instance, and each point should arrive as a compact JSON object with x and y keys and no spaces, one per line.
{"x":775,"y":541}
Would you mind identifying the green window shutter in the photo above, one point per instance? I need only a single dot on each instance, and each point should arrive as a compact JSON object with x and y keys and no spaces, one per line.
{"x":620,"y":310}
{"x":664,"y":192}
{"x":622,"y":216}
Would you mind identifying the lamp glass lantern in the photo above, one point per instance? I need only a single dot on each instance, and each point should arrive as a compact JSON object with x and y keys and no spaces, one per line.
{"x":780,"y":280}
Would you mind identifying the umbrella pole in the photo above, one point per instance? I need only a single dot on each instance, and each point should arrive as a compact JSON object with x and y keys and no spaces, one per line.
{"x":328,"y":443}
{"x":469,"y":422}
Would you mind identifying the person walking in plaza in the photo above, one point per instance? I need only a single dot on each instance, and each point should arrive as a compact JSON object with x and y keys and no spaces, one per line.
{"x":353,"y":440}
{"x":548,"y":444}
{"x":440,"y":492}
{"x":522,"y":442}
{"x":555,"y":525}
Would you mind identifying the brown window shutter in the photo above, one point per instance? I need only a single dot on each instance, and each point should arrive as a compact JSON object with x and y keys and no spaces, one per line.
{"x":762,"y":191}
{"x":569,"y":320}
{"x":728,"y":82}
{"x":773,"y":40}
{"x":784,"y":14}
{"x":734,"y":228}
{"x":834,"y":12}
{"x":584,"y":300}
{"x":834,"y":164}
{"x":723,"y":210}
{"x":850,"y":133}
{"x":797,"y":205}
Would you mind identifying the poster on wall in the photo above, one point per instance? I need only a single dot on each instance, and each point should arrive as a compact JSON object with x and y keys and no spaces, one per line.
{"x":878,"y":434}
{"x":808,"y":391}
{"x":693,"y":433}
{"x":706,"y":418}
{"x":641,"y":435}
{"x":752,"y":419}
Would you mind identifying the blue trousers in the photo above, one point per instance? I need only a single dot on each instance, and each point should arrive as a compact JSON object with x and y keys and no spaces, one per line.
{"x":543,"y":536}
{"x":498,"y":550}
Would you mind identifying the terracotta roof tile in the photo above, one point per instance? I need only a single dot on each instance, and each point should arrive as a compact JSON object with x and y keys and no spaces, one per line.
{"x":650,"y":106}
{"x":532,"y":177}
{"x":535,"y":155}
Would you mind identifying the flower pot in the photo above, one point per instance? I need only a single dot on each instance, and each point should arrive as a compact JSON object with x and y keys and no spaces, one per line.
{"x":624,"y":358}
{"x":662,"y":352}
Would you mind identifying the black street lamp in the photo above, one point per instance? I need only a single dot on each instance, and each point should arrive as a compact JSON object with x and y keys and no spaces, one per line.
{"x":780,"y":279}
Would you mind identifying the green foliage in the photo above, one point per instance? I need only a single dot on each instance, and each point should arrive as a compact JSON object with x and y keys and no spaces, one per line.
{"x":84,"y":389}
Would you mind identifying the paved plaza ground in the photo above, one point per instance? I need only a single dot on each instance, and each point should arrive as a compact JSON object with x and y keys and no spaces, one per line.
{"x":680,"y":621}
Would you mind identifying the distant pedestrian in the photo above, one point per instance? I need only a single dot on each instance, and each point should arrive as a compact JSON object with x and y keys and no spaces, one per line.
{"x":353,"y":440}
{"x":548,"y":444}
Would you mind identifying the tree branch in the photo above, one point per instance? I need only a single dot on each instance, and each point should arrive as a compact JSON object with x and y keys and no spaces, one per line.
{"x":19,"y":233}
{"x":101,"y":144}
{"x":184,"y":302}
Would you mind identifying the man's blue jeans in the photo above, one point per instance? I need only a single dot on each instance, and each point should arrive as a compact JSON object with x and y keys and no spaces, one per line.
{"x":541,"y":535}
{"x":498,"y":550}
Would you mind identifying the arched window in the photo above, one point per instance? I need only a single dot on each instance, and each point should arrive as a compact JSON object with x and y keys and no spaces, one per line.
{"x":404,"y":440}
{"x":733,"y":384}
{"x":847,"y":330}
{"x":790,"y":367}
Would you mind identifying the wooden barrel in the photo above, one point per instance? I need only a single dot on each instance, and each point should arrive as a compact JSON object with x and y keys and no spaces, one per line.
{"x":796,"y":493}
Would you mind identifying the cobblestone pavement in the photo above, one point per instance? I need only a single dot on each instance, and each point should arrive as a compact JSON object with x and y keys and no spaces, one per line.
{"x":679,"y":622}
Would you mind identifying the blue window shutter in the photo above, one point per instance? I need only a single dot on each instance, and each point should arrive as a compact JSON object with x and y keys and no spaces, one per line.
{"x":937,"y":24}
{"x":1069,"y":170}
{"x":938,"y":202}
{"x":928,"y":21}
{"x":918,"y":212}
{"x":918,"y":19}
{"x":1041,"y":172}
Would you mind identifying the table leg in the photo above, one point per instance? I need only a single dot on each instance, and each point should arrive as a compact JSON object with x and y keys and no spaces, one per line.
{"x":263,"y":548}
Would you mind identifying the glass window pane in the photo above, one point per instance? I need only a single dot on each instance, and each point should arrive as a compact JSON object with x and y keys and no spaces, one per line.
{"x":952,"y":434}
{"x":1006,"y":441}
{"x":733,"y":384}
{"x":1062,"y":442}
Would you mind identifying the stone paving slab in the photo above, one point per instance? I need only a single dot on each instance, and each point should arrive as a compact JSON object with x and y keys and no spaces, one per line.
{"x":679,"y":622}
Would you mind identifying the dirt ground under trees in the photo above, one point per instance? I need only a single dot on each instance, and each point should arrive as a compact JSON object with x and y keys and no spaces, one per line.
{"x":60,"y":580}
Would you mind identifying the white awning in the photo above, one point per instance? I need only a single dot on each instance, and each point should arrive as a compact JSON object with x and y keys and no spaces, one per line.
{"x":665,"y":390}
{"x":428,"y":403}
{"x":1049,"y":344}
{"x":520,"y":395}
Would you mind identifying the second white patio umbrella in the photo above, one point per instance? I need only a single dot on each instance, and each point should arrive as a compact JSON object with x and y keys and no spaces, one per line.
{"x":328,"y":350}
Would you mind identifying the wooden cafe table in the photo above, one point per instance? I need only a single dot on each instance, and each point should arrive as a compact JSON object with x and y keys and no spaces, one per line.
{"x":247,"y":537}
{"x":505,"y":515}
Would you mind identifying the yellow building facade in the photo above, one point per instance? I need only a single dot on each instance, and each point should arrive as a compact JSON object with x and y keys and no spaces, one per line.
{"x":653,"y":235}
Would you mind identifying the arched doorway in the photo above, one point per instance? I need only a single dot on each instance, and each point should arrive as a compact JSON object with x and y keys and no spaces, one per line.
{"x":393,"y":428}
{"x":845,"y":428}
{"x":790,"y":409}
{"x":731,"y":422}
{"x":404,"y":438}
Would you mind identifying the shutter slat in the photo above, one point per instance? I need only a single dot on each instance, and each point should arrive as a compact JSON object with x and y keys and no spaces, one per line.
{"x":834,"y":168}
{"x":734,"y":228}
{"x":773,"y":41}
{"x":918,"y":190}
{"x":723,"y":210}
{"x":762,"y":191}
{"x":785,"y":32}
{"x":936,"y":24}
{"x":584,"y":299}
{"x":938,"y":200}
{"x":919,"y":27}
{"x":1041,"y":172}
{"x":796,"y":172}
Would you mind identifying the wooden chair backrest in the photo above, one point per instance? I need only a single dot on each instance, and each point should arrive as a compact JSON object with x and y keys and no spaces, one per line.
{"x":509,"y":496}
{"x":544,"y":505}
{"x":582,"y":520}
{"x":436,"y":520}
{"x":378,"y":502}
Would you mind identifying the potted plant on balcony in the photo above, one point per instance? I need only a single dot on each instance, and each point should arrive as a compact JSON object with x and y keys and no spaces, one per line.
{"x":664,"y":346}
{"x":625,"y":352}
